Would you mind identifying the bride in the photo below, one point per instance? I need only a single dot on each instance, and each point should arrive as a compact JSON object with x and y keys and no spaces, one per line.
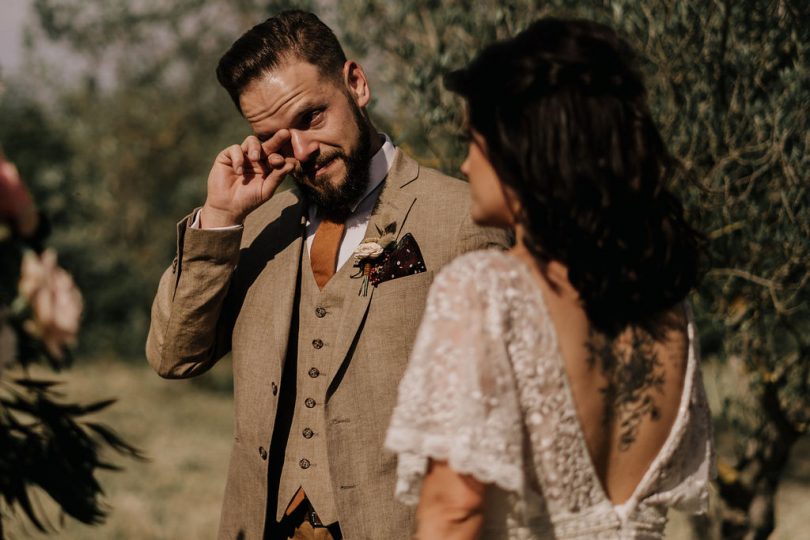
{"x":554,"y":390}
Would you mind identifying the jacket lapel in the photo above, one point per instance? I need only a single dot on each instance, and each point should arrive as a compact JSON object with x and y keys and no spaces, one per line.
{"x":276,"y":283}
{"x":392,"y":207}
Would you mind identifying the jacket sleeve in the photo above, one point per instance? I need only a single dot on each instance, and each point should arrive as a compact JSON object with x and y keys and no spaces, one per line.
{"x":190,"y":329}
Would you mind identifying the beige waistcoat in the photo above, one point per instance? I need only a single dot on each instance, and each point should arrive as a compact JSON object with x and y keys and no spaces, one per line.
{"x":306,"y":461}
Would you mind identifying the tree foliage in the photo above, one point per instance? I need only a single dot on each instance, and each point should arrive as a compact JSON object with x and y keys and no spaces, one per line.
{"x":729,"y":85}
{"x":138,"y":134}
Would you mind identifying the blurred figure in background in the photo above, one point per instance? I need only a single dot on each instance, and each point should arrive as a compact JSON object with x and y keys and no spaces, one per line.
{"x":554,"y":390}
{"x":316,"y":291}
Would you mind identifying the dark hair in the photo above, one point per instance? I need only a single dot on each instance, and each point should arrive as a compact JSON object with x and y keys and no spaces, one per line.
{"x":567,"y":127}
{"x":287,"y":36}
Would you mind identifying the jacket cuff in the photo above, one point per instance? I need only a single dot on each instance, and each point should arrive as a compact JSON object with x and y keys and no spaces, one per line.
{"x":217,"y":246}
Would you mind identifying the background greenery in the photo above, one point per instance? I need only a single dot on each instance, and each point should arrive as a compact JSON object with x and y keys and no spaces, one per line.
{"x":119,"y":153}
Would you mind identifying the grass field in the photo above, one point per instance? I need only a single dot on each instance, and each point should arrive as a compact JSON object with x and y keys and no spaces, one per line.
{"x":184,"y":427}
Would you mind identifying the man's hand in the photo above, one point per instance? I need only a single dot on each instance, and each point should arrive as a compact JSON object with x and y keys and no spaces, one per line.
{"x":243,"y":178}
{"x":16,"y":204}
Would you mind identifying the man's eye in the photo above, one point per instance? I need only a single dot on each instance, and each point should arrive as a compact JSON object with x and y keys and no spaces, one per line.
{"x":314,"y":117}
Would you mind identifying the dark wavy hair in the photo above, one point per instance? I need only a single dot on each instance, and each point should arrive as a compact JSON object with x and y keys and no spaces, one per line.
{"x":565,"y":119}
{"x":289,"y":35}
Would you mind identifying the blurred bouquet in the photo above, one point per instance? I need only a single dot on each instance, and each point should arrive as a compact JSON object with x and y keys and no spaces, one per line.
{"x":47,"y":309}
{"x":44,"y":441}
{"x":54,"y":301}
{"x":40,"y":305}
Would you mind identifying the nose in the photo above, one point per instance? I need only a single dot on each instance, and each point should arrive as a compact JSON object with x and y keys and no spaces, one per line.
{"x":303,"y":147}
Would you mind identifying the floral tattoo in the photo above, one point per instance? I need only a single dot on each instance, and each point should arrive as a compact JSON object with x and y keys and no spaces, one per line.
{"x":634,"y":375}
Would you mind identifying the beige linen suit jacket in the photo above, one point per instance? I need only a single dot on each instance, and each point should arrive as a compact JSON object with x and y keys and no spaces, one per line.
{"x":234,"y":290}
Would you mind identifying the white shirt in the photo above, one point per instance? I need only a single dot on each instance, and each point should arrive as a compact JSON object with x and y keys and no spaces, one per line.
{"x":357,"y":221}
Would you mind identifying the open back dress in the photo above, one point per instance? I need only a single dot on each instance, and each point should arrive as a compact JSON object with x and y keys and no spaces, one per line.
{"x":486,"y":390}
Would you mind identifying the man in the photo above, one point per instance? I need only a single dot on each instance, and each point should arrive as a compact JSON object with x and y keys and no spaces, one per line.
{"x":318,"y":343}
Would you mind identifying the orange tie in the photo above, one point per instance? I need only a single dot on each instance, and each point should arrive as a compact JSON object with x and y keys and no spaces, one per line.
{"x":324,"y":252}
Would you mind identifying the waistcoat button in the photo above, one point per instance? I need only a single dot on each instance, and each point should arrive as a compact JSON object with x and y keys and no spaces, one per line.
{"x":320,"y":312}
{"x":309,"y":402}
{"x":262,"y":452}
{"x":313,"y":372}
{"x":308,"y":433}
{"x":317,"y":343}
{"x":304,"y":463}
{"x":274,"y":388}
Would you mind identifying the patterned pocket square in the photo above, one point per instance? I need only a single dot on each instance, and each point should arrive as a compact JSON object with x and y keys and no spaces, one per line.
{"x":404,"y":260}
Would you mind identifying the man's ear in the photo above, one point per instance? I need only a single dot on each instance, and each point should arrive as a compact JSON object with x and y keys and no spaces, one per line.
{"x":356,"y":82}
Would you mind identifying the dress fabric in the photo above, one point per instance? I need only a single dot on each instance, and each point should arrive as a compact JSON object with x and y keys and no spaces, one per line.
{"x":486,"y":390}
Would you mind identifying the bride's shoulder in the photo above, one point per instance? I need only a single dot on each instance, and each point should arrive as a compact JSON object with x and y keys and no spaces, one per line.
{"x":480,"y":268}
{"x":479,"y":260}
{"x":482,"y":277}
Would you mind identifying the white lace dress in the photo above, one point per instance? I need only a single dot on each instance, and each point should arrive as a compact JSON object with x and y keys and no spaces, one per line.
{"x":486,"y":391}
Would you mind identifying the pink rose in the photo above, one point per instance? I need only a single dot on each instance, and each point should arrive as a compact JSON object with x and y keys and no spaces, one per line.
{"x":55,"y":301}
{"x":16,"y":205}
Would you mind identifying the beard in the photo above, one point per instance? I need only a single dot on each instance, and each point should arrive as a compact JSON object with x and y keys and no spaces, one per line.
{"x":336,"y":199}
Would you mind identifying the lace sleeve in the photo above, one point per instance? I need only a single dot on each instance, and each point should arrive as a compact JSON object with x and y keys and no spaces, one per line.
{"x":457,"y":401}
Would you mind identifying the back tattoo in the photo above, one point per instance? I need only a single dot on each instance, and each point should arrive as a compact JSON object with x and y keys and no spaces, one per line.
{"x":634,"y":376}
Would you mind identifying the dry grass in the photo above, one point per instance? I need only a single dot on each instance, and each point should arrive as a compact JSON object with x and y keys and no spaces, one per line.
{"x":184,"y":427}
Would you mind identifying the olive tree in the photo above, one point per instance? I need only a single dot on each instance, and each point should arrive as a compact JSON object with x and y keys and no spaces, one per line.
{"x":729,"y":86}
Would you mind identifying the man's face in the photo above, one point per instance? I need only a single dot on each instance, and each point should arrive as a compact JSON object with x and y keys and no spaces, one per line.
{"x":329,"y":135}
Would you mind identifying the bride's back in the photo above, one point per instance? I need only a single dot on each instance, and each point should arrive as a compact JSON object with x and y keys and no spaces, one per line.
{"x":626,"y":389}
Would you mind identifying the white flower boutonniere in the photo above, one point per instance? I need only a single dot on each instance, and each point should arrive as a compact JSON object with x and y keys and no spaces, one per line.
{"x":367,"y":250}
{"x":372,"y":251}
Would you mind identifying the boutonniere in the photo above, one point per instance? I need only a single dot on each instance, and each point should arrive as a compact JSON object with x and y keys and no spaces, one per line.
{"x":371,"y":253}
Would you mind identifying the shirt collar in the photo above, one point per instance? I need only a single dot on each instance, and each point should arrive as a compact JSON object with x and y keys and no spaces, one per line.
{"x":378,"y":169}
